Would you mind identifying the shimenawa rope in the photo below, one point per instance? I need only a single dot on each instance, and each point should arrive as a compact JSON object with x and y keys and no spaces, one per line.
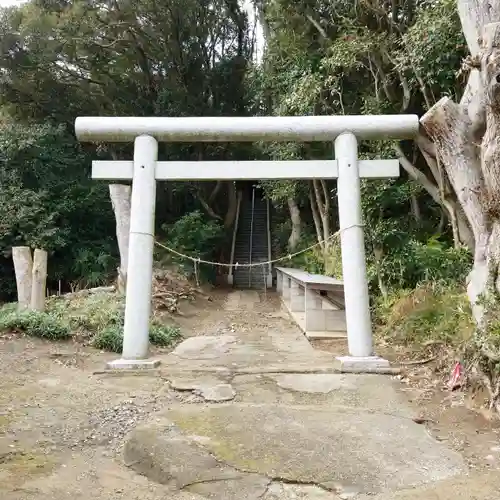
{"x":197,"y":261}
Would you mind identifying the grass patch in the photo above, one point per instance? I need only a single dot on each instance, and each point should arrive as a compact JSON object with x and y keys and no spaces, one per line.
{"x":431,"y":313}
{"x":95,"y":319}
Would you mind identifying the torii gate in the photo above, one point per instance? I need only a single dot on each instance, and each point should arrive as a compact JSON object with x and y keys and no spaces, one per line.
{"x":145,"y":170}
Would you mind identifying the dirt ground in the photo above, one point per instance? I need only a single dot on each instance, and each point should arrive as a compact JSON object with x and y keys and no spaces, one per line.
{"x":63,"y":422}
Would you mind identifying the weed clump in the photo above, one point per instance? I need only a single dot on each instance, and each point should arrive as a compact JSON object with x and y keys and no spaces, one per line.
{"x":432,"y":313}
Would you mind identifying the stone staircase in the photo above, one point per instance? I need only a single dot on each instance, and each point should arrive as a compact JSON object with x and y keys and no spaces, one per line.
{"x":254,"y":277}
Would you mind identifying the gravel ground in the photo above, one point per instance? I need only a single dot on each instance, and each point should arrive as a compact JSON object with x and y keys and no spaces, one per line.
{"x":62,"y":422}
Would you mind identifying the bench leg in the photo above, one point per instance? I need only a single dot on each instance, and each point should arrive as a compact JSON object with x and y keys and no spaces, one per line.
{"x":321,"y":316}
{"x":297,"y":300}
{"x":286,"y":284}
{"x":279,"y":282}
{"x":269,"y":280}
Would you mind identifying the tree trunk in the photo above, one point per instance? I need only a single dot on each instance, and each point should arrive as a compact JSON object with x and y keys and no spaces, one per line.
{"x":23,"y":266}
{"x":232,"y":205}
{"x":294,"y":238}
{"x":466,"y":139}
{"x":120,"y":199}
{"x":266,"y":31}
{"x":464,"y":231}
{"x":439,"y":192}
{"x":415,"y":209}
{"x":378,"y":254}
{"x":323,"y":204}
{"x":316,"y":219}
{"x":325,"y":214}
{"x":39,"y":280}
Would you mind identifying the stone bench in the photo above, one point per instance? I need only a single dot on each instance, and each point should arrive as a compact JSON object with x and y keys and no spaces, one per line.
{"x":315,"y":302}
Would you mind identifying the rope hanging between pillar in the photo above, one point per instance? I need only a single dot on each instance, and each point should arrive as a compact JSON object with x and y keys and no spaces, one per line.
{"x":197,"y":261}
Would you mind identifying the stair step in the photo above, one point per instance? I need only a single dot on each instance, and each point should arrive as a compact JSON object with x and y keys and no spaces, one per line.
{"x":252,"y":232}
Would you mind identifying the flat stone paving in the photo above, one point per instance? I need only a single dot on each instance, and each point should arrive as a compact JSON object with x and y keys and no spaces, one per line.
{"x":265,"y":426}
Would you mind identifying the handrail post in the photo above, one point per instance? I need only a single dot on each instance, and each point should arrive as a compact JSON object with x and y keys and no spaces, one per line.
{"x":251,"y":239}
{"x":230,"y":277}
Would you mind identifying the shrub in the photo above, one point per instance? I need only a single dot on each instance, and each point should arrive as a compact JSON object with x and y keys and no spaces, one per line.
{"x":416,"y":262}
{"x":96,"y":318}
{"x":111,"y":337}
{"x":35,"y":324}
{"x":195,"y":236}
{"x":93,"y":312}
{"x":164,"y":335}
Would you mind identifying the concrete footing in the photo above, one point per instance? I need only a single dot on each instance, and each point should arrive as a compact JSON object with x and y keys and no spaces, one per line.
{"x":133,"y":364}
{"x":368,"y":364}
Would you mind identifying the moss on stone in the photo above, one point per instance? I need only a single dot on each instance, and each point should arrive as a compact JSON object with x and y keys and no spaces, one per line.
{"x":221,"y":445}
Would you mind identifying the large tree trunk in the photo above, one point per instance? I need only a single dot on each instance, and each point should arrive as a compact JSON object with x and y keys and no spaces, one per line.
{"x":23,"y":266}
{"x":439,"y":189}
{"x":120,"y":199}
{"x":294,"y":238}
{"x":39,"y":281}
{"x":466,"y":140}
{"x":465,"y":233}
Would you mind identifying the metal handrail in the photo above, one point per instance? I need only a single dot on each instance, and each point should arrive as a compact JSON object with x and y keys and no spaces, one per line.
{"x":251,"y":238}
{"x":235,"y":232}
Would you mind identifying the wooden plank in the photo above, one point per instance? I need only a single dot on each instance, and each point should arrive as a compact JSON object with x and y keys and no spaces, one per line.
{"x":244,"y":170}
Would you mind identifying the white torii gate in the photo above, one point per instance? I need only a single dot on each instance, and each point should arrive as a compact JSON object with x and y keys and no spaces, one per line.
{"x":145,"y":170}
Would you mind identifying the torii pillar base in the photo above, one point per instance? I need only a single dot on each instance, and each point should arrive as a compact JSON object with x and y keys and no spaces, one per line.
{"x":364,"y":364}
{"x":133,"y":364}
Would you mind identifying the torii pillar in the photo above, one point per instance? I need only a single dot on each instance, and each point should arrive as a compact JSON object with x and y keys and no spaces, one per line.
{"x":145,"y":170}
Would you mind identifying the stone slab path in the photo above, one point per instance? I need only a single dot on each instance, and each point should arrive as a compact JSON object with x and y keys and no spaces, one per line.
{"x":274,"y":421}
{"x":244,"y":408}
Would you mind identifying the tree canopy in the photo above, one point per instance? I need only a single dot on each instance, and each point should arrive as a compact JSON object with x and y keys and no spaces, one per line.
{"x":59,"y":60}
